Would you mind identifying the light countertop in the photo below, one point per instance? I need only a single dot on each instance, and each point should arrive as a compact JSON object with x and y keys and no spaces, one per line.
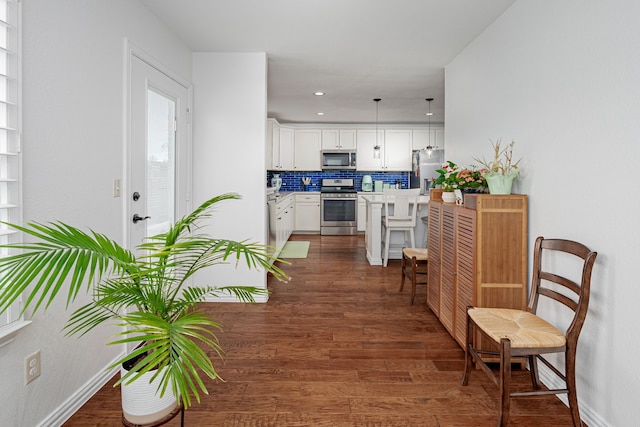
{"x":379,"y":199}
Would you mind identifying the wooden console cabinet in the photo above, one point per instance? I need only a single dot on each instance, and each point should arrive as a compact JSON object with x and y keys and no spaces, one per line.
{"x":477,"y":256}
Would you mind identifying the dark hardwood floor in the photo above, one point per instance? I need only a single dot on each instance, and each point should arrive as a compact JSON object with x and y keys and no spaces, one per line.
{"x":339,"y":346}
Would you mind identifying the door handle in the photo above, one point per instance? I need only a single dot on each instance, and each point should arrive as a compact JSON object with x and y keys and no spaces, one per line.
{"x":137,"y":218}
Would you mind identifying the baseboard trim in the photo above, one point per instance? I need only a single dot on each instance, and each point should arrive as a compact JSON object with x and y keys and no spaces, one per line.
{"x":588,"y":416}
{"x":232,"y":298}
{"x":70,"y":406}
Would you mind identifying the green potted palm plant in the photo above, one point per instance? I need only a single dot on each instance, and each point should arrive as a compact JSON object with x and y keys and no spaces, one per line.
{"x":502,"y":170}
{"x":148,"y":297}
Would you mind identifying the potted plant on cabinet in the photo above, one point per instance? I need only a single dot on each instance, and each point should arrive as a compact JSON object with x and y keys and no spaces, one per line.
{"x":471,"y":180}
{"x":502,"y":170}
{"x":448,"y":181}
{"x":148,"y":296}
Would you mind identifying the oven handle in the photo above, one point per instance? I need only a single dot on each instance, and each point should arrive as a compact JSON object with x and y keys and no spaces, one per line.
{"x":339,"y":198}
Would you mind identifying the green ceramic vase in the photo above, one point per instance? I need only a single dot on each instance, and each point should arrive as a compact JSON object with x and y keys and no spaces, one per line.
{"x":500,"y":184}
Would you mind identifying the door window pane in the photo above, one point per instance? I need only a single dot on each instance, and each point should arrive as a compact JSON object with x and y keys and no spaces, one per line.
{"x":160,"y":162}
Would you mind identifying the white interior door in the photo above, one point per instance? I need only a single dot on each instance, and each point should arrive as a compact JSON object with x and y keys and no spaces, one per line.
{"x":159,"y":181}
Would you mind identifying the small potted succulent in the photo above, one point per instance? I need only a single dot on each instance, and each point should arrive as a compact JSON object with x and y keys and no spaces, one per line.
{"x":502,"y":169}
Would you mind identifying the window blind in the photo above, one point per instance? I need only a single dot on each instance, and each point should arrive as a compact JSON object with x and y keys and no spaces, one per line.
{"x":10,"y":159}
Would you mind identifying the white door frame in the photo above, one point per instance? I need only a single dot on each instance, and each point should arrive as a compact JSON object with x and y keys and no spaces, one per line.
{"x":131,"y":51}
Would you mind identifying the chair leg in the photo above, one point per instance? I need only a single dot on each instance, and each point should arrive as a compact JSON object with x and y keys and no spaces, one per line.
{"x":505,"y":381}
{"x":570,"y":369}
{"x":467,"y":352}
{"x":414,"y":268}
{"x":533,"y":370}
{"x":402,"y":270}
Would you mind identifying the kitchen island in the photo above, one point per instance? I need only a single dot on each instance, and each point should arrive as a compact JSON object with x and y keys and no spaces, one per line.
{"x":373,"y":232}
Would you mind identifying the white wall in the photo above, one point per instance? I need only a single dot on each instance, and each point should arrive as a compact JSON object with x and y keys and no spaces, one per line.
{"x":229,"y":142}
{"x":73,"y":73}
{"x":561,"y":79}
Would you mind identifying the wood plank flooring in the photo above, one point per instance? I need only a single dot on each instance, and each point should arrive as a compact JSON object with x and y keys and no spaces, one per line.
{"x":339,"y":345}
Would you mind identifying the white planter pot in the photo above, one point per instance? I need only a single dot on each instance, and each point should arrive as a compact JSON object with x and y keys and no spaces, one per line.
{"x":448,"y":197}
{"x":141,"y":405}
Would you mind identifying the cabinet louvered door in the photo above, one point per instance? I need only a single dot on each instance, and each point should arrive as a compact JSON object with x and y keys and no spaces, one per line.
{"x":434,"y":243}
{"x":477,"y":257}
{"x":447,"y":273}
{"x":465,"y":269}
{"x":502,"y":247}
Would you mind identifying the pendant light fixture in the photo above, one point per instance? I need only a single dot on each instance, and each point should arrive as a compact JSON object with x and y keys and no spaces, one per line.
{"x":429,"y":147}
{"x":376,"y":149}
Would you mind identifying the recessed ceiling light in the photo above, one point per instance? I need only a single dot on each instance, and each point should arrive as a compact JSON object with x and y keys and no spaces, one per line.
{"x":318,"y":93}
{"x":428,"y":114}
{"x":320,"y":114}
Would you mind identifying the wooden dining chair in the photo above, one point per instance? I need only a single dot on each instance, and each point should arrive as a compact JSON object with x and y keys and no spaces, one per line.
{"x":524,"y":334}
{"x":415,"y":262}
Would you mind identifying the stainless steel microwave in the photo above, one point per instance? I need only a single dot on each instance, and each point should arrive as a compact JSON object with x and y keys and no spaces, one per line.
{"x":333,"y":159}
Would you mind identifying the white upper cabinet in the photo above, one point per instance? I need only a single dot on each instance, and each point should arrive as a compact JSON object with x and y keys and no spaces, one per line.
{"x":279,"y":146}
{"x":338,"y":139}
{"x":366,"y":139}
{"x":347,"y":139}
{"x":421,"y":138}
{"x":285,"y":152}
{"x":273,"y":143}
{"x":330,"y":139}
{"x":395,"y":150}
{"x":298,"y":148}
{"x":308,"y":143}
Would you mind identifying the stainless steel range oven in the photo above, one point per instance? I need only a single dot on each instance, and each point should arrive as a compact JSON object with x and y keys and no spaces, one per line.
{"x":338,"y":207}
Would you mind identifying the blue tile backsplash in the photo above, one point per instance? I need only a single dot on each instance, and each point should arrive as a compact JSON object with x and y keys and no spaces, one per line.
{"x":292,"y":181}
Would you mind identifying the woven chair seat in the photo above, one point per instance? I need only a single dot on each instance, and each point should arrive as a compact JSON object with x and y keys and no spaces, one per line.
{"x":524,"y":329}
{"x":421,"y":254}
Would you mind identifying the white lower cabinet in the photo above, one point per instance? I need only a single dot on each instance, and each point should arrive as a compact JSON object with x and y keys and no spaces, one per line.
{"x":362,"y":214}
{"x":284,"y":221}
{"x":307,"y":212}
{"x":289,"y":220}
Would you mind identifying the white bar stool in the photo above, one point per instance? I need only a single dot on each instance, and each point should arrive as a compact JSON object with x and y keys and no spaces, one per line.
{"x":405,"y":210}
{"x":425,"y":221}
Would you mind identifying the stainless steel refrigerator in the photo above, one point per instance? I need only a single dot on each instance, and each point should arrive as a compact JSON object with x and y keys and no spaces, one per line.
{"x":424,"y":168}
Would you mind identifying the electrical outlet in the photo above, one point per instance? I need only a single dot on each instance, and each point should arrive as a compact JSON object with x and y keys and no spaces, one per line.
{"x":32,"y":367}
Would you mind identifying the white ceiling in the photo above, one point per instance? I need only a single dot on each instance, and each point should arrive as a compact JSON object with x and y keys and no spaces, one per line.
{"x":354,"y":50}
